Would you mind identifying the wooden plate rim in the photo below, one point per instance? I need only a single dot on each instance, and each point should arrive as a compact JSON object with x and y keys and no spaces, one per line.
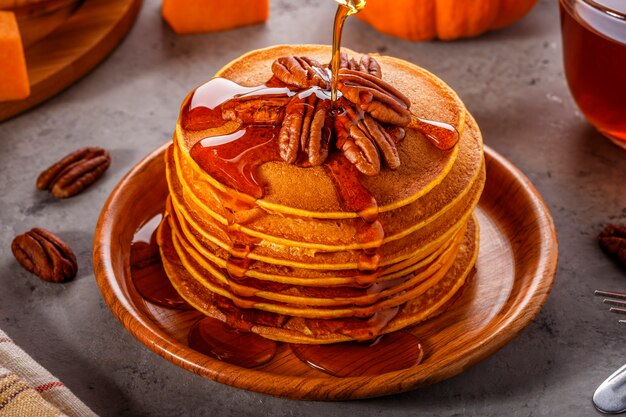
{"x":326,"y":388}
{"x":104,"y":37}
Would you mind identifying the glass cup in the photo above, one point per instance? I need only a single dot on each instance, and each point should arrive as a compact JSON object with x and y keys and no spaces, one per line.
{"x":594,"y":57}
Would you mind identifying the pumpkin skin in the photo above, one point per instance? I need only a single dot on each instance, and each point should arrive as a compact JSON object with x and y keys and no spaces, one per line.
{"x":419,"y":20}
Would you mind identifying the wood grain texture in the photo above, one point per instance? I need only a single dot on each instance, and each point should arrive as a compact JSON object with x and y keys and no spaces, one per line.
{"x":513,"y":278}
{"x":73,"y":49}
{"x":39,"y":18}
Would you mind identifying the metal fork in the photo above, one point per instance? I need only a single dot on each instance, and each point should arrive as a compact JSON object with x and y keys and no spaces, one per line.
{"x":610,"y":397}
{"x":617,"y":301}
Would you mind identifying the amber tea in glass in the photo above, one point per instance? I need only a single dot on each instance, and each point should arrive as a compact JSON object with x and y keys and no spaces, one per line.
{"x":594,"y":56}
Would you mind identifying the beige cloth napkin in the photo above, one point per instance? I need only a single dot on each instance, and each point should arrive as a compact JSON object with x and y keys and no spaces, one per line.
{"x":28,"y":390}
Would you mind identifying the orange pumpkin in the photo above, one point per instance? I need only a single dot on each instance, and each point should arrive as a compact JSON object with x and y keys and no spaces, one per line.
{"x":199,"y":16}
{"x":419,"y":20}
{"x":13,"y":73}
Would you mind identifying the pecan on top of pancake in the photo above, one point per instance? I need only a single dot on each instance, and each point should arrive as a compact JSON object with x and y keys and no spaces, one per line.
{"x":365,"y":123}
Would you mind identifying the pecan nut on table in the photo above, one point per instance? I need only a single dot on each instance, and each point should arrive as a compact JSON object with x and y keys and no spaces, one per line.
{"x":74,"y":172}
{"x":44,"y":254}
{"x":613,"y":241}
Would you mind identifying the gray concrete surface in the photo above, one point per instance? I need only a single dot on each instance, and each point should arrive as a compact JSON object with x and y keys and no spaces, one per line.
{"x":511,"y":80}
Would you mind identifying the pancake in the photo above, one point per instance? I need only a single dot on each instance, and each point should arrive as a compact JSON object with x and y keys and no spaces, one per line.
{"x":423,"y":165}
{"x":328,"y":251}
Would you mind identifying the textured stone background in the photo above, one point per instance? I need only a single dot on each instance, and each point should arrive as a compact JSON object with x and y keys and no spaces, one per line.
{"x":511,"y":80}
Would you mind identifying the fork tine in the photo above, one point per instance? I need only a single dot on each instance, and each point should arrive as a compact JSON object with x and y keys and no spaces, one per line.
{"x":611,"y":294}
{"x":616,"y":299}
{"x":617,"y":303}
{"x":617,"y":310}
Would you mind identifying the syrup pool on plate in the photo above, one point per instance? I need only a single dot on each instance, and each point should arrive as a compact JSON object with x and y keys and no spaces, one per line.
{"x":387,"y":353}
{"x":147,"y":270}
{"x":220,"y":341}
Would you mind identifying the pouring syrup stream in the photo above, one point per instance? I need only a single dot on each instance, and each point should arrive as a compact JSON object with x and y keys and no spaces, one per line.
{"x":346,"y":8}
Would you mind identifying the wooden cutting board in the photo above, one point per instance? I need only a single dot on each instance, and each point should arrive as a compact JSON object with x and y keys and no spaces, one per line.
{"x":73,"y":49}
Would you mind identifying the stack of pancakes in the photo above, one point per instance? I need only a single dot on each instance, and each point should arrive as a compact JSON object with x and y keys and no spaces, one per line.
{"x":289,"y":266}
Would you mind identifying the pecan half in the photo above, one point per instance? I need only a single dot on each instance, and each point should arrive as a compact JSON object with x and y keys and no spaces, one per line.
{"x":306,"y":129}
{"x":375,"y":96}
{"x":356,"y":147}
{"x":370,"y":66}
{"x":44,"y":254}
{"x":381,"y":138}
{"x":613,"y":241}
{"x":320,"y":134}
{"x":301,"y":72}
{"x":364,"y":141}
{"x":367,"y":65}
{"x":346,"y":62}
{"x":75,"y":172}
{"x":256,"y":111}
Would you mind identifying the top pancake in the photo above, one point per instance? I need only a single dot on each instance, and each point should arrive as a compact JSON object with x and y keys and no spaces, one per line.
{"x":309,"y":192}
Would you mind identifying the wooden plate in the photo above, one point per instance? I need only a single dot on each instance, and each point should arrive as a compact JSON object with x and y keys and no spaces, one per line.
{"x":515,"y":270}
{"x":73,"y":49}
